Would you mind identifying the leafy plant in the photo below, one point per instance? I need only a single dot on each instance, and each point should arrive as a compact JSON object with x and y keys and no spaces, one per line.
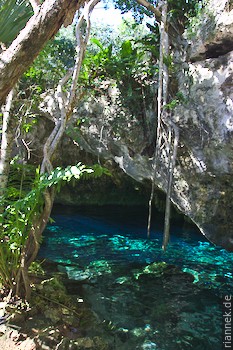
{"x":49,"y":67}
{"x":14,"y":15}
{"x":36,"y":268}
{"x":178,"y":9}
{"x":133,"y":67}
{"x":176,"y":101}
{"x":20,"y":214}
{"x":195,"y":21}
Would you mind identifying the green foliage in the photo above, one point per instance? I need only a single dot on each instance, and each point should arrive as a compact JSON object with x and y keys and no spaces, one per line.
{"x":182,"y":10}
{"x":21,"y":180}
{"x":14,"y":15}
{"x":109,"y":35}
{"x":28,"y":125}
{"x":136,"y":45}
{"x":23,"y":207}
{"x":176,"y":101}
{"x":195,"y":22}
{"x":133,"y":66}
{"x":126,"y":49}
{"x":50,"y":65}
{"x":48,"y":68}
{"x":36,"y":269}
{"x":177,"y":9}
{"x":138,"y":11}
{"x":104,"y":33}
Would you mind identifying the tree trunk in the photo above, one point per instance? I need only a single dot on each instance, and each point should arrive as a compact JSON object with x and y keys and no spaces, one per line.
{"x":41,"y":27}
{"x":65,"y":107}
{"x":32,"y":246}
{"x":8,"y":131}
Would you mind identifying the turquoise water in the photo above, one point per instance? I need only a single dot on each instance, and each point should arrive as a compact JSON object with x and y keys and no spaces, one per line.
{"x":146,"y":298}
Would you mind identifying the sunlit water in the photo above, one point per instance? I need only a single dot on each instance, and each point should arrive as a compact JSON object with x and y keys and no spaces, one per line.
{"x":145,"y":306}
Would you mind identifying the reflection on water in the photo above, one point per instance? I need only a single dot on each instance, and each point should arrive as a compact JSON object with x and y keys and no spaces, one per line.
{"x":148,"y":299}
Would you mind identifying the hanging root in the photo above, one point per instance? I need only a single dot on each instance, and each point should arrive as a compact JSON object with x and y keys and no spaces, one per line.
{"x":161,"y":99}
{"x":172,"y":162}
{"x":150,"y":207}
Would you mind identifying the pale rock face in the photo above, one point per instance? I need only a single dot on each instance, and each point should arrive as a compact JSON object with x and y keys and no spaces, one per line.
{"x":213,"y":31}
{"x":210,"y":109}
{"x":202,"y":184}
{"x":205,"y":123}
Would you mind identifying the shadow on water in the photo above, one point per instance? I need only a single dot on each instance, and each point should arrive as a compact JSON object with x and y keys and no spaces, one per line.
{"x":148,"y":299}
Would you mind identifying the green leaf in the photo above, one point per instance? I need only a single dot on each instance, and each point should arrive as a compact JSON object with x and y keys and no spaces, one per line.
{"x":126,"y":49}
{"x":14,"y":15}
{"x":97,"y":42}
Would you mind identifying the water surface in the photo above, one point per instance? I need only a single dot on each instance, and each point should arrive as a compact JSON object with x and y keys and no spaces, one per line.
{"x":148,"y":299}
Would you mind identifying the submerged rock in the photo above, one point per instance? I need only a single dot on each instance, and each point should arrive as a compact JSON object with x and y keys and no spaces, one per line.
{"x":159,"y":308}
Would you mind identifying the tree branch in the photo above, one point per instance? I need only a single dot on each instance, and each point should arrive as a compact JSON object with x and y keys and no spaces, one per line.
{"x":39,"y":29}
{"x":151,"y":8}
{"x":8,"y":130}
{"x":35,"y":5}
{"x":80,"y":48}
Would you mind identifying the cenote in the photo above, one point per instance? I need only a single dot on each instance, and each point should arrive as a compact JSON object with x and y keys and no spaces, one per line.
{"x":144,"y":298}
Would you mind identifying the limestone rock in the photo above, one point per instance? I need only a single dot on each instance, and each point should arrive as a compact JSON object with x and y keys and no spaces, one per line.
{"x":202,"y":186}
{"x":212,"y":31}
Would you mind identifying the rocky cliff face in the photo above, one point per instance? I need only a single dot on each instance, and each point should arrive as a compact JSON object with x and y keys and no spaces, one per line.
{"x":206,"y":125}
{"x":206,"y":158}
{"x":107,"y":129}
{"x":202,"y":185}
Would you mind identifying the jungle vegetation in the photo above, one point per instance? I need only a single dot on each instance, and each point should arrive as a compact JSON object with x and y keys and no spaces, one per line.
{"x":42,"y":67}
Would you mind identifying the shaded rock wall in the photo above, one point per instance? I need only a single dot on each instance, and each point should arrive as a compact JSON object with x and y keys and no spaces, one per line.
{"x":211,"y":34}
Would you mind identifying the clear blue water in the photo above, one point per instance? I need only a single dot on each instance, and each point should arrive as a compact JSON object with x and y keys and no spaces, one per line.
{"x":147,"y":298}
